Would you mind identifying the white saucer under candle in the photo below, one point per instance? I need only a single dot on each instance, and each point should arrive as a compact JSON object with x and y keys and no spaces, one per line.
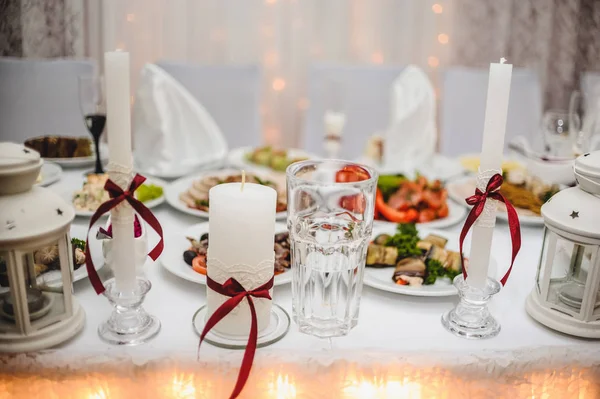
{"x":241,"y":236}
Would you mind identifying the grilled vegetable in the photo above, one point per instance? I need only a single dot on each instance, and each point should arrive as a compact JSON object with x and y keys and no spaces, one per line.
{"x":381,"y":256}
{"x":436,"y":240}
{"x":188,"y":256}
{"x":381,"y":239}
{"x":412,"y":267}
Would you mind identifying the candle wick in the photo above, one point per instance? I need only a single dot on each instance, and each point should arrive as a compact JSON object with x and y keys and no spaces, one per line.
{"x":502,"y":60}
{"x":243,"y":180}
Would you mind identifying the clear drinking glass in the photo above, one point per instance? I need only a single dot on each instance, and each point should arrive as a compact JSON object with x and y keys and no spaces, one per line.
{"x":560,"y":130}
{"x":93,"y":106}
{"x":330,"y":219}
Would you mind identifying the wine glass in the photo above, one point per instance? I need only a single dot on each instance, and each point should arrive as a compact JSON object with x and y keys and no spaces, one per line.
{"x":560,"y":129}
{"x":93,"y":108}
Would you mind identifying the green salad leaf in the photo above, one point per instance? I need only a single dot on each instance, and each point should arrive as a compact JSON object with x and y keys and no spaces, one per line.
{"x":77,"y":243}
{"x":389,"y":184}
{"x":405,"y":241}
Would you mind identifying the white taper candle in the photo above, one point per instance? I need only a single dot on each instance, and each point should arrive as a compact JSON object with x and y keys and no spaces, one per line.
{"x":116,"y":70}
{"x":491,"y":159}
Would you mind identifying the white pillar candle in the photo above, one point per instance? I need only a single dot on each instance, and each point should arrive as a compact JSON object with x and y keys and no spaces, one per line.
{"x":241,"y":245}
{"x":334,"y":126}
{"x":116,"y":71}
{"x":491,"y":159}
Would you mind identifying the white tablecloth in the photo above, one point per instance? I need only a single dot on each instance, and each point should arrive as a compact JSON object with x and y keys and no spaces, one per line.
{"x":392,"y":329}
{"x":388,"y":322}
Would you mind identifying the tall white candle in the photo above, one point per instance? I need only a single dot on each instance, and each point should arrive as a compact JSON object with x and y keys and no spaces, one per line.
{"x":491,"y":160}
{"x":241,"y":245}
{"x":116,"y":70}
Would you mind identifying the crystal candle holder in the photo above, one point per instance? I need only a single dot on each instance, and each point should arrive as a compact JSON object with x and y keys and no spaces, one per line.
{"x":471,"y":317}
{"x":129,"y":324}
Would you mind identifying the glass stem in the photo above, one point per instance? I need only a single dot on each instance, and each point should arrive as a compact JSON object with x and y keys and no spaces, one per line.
{"x":99,"y":168}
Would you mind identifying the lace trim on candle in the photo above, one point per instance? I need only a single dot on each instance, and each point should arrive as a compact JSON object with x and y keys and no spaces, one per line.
{"x":122,"y":176}
{"x":488,"y":215}
{"x":249,"y":276}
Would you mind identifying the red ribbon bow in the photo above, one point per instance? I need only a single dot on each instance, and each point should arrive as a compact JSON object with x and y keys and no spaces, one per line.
{"x":117,"y":195}
{"x":478,"y":202}
{"x":233,"y":289}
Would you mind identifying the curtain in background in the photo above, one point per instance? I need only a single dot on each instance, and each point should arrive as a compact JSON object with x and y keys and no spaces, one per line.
{"x":41,"y":28}
{"x":559,"y":39}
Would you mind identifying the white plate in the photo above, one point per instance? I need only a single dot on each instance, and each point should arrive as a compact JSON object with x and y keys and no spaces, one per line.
{"x":79,"y":162}
{"x":149,"y":204}
{"x":50,"y":173}
{"x":456,"y":214}
{"x":172,"y":256}
{"x":460,"y":189}
{"x":173,"y":190}
{"x":237,"y":159}
{"x":381,"y":278}
{"x":53,"y":278}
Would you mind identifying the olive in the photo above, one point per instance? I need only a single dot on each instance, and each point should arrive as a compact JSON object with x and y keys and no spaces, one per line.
{"x":188,"y":256}
{"x":204,"y":237}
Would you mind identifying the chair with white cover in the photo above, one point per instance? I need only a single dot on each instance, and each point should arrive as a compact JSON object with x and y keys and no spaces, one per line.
{"x":365,"y":93}
{"x":230,"y":94}
{"x":590,"y":89}
{"x":464,"y":93}
{"x":41,"y":97}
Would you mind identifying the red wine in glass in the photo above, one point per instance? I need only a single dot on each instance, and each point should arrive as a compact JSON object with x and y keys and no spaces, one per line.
{"x":95,"y":124}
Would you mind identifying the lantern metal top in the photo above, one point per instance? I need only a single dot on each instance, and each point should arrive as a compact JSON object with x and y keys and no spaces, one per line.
{"x":575,"y":210}
{"x":587,"y":172}
{"x":27,"y":212}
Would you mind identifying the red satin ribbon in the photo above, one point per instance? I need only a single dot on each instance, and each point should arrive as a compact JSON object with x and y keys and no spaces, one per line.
{"x":478,"y":201}
{"x":233,"y":289}
{"x":117,"y":195}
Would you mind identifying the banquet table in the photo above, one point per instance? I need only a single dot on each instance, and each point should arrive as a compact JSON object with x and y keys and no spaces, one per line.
{"x":399,"y":348}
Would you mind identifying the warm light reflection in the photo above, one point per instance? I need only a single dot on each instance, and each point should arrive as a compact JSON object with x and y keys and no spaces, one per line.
{"x":433,"y":61}
{"x":303,"y":103}
{"x":271,"y":59}
{"x":267,"y":31}
{"x":99,"y":394}
{"x":282,"y":388}
{"x":183,"y":386}
{"x":217,"y":35}
{"x":383,"y":389}
{"x":121,"y":46}
{"x":270,"y":1}
{"x":278,"y":84}
{"x":377,"y":58}
{"x":130,"y":17}
{"x":443,"y":38}
{"x":437,"y":8}
{"x":131,"y":100}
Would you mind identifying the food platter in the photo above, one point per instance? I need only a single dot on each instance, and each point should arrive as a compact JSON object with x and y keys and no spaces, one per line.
{"x":174,"y":190}
{"x":149,"y":203}
{"x":456,"y":214}
{"x":79,"y":162}
{"x":239,"y":158}
{"x":381,"y":277}
{"x":460,"y":189}
{"x":172,"y":257}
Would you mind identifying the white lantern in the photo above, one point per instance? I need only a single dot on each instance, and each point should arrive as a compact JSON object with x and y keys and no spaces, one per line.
{"x":566,"y":296}
{"x":37,"y":307}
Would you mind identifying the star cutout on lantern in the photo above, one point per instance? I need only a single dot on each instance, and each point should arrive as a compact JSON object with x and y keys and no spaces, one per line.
{"x":10,"y":224}
{"x":59,"y":212}
{"x":26,"y":151}
{"x":574,"y":214}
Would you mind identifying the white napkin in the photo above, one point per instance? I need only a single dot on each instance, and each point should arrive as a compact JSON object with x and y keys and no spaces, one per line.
{"x":173,"y":133}
{"x":411,"y":137}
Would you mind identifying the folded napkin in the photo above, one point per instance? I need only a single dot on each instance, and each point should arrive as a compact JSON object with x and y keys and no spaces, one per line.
{"x":411,"y":137}
{"x":173,"y":133}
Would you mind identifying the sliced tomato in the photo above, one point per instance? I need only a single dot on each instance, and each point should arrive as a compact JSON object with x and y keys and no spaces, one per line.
{"x":351,"y":173}
{"x":354,"y":203}
{"x":401,"y":282}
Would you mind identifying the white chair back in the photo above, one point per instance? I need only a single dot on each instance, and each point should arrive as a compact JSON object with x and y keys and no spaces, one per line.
{"x":41,"y":97}
{"x":365,"y":93}
{"x":464,"y":94}
{"x":590,"y":89}
{"x":230,"y":94}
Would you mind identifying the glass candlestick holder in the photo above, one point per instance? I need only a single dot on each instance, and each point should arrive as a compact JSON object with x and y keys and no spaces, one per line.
{"x":471,"y":317}
{"x":129,"y":324}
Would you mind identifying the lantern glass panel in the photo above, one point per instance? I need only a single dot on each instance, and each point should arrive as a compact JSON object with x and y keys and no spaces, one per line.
{"x":6,"y":325}
{"x":542,"y":265}
{"x":570,"y":267}
{"x":49,"y":263}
